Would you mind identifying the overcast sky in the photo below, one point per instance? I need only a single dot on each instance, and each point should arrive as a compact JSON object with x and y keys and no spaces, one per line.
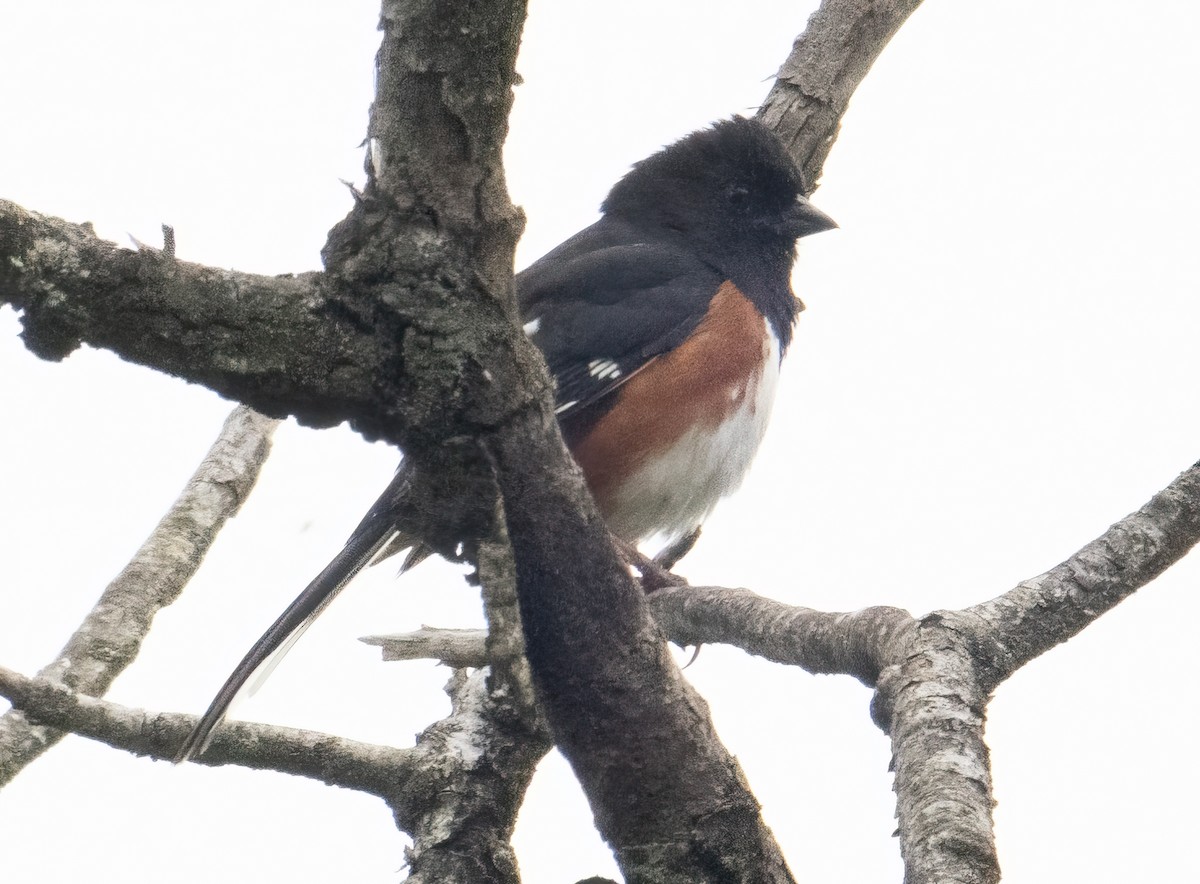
{"x":999,"y":358}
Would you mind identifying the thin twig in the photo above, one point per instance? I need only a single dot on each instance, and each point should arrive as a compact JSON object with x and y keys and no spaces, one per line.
{"x":111,"y":635}
{"x":378,"y":770}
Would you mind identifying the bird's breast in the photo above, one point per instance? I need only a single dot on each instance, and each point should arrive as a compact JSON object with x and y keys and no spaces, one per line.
{"x":684,"y":430}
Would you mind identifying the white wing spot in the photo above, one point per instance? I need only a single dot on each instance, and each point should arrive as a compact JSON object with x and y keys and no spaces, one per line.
{"x":602,"y":369}
{"x":565,"y":406}
{"x":531,"y":327}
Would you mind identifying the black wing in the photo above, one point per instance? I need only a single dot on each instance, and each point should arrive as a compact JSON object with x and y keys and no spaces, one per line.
{"x":606,"y":302}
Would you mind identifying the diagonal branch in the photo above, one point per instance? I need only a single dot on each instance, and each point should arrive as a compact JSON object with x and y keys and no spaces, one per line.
{"x":828,"y":61}
{"x":1010,"y":630}
{"x":111,"y":635}
{"x":931,"y":701}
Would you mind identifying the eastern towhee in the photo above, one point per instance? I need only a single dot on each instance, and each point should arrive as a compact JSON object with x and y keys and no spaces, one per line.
{"x":663,"y":324}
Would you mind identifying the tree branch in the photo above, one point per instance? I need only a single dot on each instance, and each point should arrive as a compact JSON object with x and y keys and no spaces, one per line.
{"x":477,"y":763}
{"x":378,"y":770}
{"x":471,"y":770}
{"x":458,"y":648}
{"x":1028,"y":620}
{"x":932,"y":705}
{"x":111,"y":635}
{"x":828,"y":61}
{"x":279,"y":343}
{"x":860,"y":644}
{"x":932,"y":700}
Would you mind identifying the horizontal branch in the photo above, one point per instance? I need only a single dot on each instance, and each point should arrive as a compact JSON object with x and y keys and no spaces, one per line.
{"x":377,"y":770}
{"x":457,"y":792}
{"x":279,"y":343}
{"x":459,"y":648}
{"x":860,"y":643}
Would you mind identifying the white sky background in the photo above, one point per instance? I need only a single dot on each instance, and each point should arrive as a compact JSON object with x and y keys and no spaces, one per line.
{"x":999,"y":359}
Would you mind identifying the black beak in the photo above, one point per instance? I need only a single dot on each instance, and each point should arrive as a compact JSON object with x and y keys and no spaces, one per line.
{"x":803,"y":219}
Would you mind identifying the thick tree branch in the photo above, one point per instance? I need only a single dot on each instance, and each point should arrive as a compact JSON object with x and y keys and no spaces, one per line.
{"x":279,"y":343}
{"x":111,"y":635}
{"x":666,"y":795}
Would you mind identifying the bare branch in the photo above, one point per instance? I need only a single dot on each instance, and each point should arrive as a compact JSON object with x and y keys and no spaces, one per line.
{"x":860,"y":644}
{"x":828,"y":61}
{"x":1010,"y":630}
{"x":378,"y":770}
{"x":111,"y":635}
{"x":459,"y":648}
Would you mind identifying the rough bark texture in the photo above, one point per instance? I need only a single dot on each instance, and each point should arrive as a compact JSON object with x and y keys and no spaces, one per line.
{"x":278,"y":343}
{"x":828,"y":61}
{"x":411,"y":335}
{"x":666,"y":795}
{"x":477,"y":763}
{"x":469,"y":775}
{"x":935,"y":717}
{"x":1028,"y":620}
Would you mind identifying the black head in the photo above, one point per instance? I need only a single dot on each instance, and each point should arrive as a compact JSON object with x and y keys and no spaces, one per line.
{"x":733,"y":179}
{"x":735,"y":197}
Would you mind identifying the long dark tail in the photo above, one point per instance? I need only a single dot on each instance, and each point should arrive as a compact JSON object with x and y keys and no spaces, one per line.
{"x":375,"y":535}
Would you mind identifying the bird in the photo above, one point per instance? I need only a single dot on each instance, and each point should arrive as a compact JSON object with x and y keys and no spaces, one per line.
{"x":663,"y":325}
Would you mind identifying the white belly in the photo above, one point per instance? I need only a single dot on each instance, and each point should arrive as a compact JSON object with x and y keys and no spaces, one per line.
{"x":678,"y":488}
